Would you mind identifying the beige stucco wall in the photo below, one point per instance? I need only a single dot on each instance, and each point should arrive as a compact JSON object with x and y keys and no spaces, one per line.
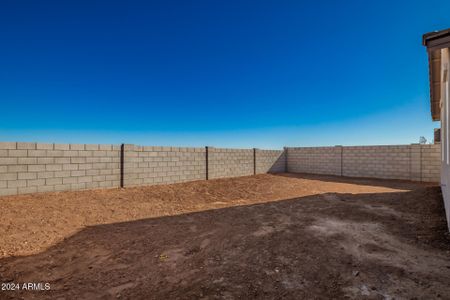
{"x":445,"y":130}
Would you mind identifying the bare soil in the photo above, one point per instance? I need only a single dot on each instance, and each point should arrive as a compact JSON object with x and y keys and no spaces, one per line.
{"x":281,"y":236}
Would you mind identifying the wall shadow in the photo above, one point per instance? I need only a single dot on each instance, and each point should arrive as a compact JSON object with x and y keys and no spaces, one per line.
{"x":300,"y":248}
{"x":388,"y":183}
{"x":279,"y":165}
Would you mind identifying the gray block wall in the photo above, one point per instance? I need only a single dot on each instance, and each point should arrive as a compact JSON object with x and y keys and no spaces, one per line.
{"x":390,"y":162}
{"x":315,"y":160}
{"x":430,"y":162}
{"x":37,"y":167}
{"x":223,"y":163}
{"x":146,"y":165}
{"x":270,"y":161}
{"x":410,"y":162}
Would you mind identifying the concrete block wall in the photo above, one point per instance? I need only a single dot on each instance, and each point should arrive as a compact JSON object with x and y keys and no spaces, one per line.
{"x":223,"y":162}
{"x":410,"y":162}
{"x":38,"y":167}
{"x":431,"y":162}
{"x":316,"y":160}
{"x":270,"y":161}
{"x":389,"y":162}
{"x":146,"y":165}
{"x":415,"y":163}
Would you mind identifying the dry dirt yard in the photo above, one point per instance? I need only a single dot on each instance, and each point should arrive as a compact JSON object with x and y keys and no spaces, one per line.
{"x":279,"y":236}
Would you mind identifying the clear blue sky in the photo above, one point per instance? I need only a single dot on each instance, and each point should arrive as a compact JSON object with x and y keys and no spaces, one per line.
{"x":222,"y":73}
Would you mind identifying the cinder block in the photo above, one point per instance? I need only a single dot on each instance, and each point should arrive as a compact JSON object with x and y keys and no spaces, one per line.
{"x":76,"y":146}
{"x":26,"y":146}
{"x":62,"y":160}
{"x":129,"y":147}
{"x":44,"y":175}
{"x":92,"y":172}
{"x":70,"y":153}
{"x":99,"y":166}
{"x":53,"y":181}
{"x":112,"y":177}
{"x":62,"y":187}
{"x":84,"y":166}
{"x":62,"y":174}
{"x":105,"y":171}
{"x":70,"y":180}
{"x":78,"y":186}
{"x":8,"y":176}
{"x":17,"y":183}
{"x":78,"y":173}
{"x":105,"y":147}
{"x":8,"y":191}
{"x":91,"y":146}
{"x":55,"y":153}
{"x":91,"y":159}
{"x":53,"y":167}
{"x":36,"y":182}
{"x":105,"y":159}
{"x":44,"y":146}
{"x":98,"y":178}
{"x":86,"y":154}
{"x":36,"y":168}
{"x":27,"y":175}
{"x":61,"y":146}
{"x":37,"y":153}
{"x":8,"y":160}
{"x":99,"y":153}
{"x":105,"y":184}
{"x":77,"y":160}
{"x":92,"y":185}
{"x":27,"y":190}
{"x":8,"y":145}
{"x":27,"y":160}
{"x":17,"y":168}
{"x":85,"y":179}
{"x":46,"y":188}
{"x":70,"y":167}
{"x":45,"y":160}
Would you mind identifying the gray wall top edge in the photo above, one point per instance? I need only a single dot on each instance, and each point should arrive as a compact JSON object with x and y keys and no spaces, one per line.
{"x":361,"y":146}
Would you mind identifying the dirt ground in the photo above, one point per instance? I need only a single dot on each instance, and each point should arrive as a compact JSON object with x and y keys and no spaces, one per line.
{"x":278,"y":236}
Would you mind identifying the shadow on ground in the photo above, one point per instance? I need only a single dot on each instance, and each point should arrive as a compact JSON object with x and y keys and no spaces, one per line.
{"x":364,"y":181}
{"x":332,"y":245}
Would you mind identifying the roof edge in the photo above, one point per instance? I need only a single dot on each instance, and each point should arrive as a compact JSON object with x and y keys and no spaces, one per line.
{"x":431,"y":39}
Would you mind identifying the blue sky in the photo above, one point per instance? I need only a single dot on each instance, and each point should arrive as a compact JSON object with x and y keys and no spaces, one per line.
{"x":221,"y":73}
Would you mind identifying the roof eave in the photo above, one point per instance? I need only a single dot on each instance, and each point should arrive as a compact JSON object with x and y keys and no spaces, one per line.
{"x":435,"y":41}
